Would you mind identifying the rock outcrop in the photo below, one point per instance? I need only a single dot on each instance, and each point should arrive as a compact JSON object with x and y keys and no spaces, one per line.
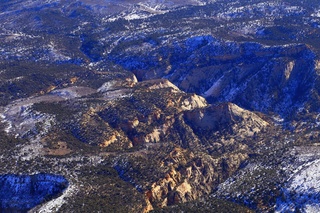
{"x":228,"y":117}
{"x":187,"y":177}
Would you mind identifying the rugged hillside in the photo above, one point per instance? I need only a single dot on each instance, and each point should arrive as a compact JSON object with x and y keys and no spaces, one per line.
{"x":140,"y":131}
{"x":164,"y":106}
{"x":161,"y":145}
{"x":262,"y":78}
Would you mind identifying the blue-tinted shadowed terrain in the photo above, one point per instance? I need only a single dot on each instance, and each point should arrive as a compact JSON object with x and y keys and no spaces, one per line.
{"x":20,"y":193}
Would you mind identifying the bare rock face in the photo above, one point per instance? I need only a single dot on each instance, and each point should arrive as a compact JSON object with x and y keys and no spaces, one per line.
{"x":118,"y":84}
{"x":191,"y":177}
{"x":193,"y":102}
{"x":158,"y":84}
{"x":145,"y":121}
{"x":218,"y":117}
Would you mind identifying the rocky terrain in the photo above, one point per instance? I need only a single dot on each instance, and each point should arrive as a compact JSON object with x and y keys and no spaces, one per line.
{"x":163,"y":106}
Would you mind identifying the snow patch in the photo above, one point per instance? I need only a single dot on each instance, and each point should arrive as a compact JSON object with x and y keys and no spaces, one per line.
{"x":303,"y":189}
{"x":215,"y":89}
{"x":55,"y":204}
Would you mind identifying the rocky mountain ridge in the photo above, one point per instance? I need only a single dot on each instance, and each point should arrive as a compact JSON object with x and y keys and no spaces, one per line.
{"x":155,"y":106}
{"x":226,"y":73}
{"x":133,"y":123}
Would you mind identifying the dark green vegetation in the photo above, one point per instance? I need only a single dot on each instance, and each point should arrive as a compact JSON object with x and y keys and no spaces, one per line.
{"x":213,"y":205}
{"x":104,"y":191}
